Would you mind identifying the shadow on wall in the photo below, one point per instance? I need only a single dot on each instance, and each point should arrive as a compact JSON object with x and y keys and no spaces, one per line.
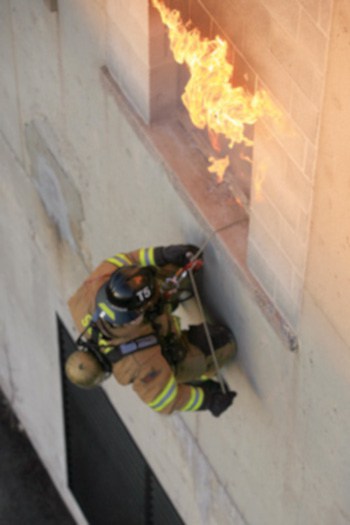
{"x":23,"y":478}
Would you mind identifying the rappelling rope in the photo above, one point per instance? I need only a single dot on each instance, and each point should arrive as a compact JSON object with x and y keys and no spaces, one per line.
{"x":209,"y":238}
{"x":219,"y":374}
{"x":207,"y":333}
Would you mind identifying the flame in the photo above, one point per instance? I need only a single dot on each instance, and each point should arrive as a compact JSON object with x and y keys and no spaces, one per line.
{"x":258,"y":181}
{"x":219,"y":166}
{"x":246,"y":158}
{"x":210,"y":98}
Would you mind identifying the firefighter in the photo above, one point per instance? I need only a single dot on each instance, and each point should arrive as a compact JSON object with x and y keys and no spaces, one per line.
{"x":129,"y":328}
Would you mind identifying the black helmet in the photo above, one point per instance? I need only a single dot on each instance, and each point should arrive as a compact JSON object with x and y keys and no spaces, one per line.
{"x":128,"y":290}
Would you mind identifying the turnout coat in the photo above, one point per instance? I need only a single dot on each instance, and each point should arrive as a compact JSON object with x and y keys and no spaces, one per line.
{"x":160,"y":384}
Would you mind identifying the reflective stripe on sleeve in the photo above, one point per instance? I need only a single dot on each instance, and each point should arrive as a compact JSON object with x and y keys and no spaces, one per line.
{"x":146,"y":257}
{"x":195,"y":401}
{"x":166,"y":396}
{"x":177,"y":324}
{"x":120,"y":260}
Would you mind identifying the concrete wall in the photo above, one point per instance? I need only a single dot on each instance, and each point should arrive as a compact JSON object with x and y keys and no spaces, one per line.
{"x":78,"y":183}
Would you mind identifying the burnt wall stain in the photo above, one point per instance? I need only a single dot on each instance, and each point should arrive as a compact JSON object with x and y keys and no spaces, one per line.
{"x":57,"y":191}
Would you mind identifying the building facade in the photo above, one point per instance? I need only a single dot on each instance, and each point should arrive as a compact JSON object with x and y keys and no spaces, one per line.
{"x":96,"y":158}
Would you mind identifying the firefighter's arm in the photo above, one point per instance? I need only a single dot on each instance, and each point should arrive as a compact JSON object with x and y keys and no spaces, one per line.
{"x":141,"y":257}
{"x":178,"y":254}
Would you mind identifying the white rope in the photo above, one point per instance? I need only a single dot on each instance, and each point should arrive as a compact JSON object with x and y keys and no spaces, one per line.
{"x":209,"y":238}
{"x":200,"y":306}
{"x":207,"y":333}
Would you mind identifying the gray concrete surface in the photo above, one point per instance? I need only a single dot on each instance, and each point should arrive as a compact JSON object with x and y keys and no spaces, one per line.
{"x":281,"y":455}
{"x":27,"y":495}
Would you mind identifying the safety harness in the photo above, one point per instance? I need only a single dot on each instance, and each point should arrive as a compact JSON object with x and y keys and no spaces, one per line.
{"x":171,"y":347}
{"x":141,"y":343}
{"x":117,"y":352}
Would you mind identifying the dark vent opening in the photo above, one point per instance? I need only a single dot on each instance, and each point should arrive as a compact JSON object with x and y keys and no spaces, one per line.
{"x":107,"y":474}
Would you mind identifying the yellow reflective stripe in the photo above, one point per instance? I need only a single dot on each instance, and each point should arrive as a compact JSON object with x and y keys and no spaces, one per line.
{"x":108,"y":311}
{"x":104,"y":345}
{"x":86,"y":320}
{"x":115,"y":262}
{"x":142,"y":257}
{"x":166,"y":396}
{"x":195,"y":401}
{"x":177,"y":324}
{"x":151,"y":258}
{"x":85,"y":323}
{"x":120,"y":259}
{"x":106,"y":349}
{"x":146,"y":257}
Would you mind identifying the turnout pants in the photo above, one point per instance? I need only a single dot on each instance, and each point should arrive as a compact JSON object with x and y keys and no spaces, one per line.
{"x":198,"y":363}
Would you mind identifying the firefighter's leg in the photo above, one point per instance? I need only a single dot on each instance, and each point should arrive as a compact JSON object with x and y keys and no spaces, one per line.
{"x":193,"y":365}
{"x":224,"y":344}
{"x":198,"y":363}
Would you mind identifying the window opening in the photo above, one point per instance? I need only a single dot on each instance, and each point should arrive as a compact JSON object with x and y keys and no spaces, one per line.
{"x":108,"y":475}
{"x":219,"y":111}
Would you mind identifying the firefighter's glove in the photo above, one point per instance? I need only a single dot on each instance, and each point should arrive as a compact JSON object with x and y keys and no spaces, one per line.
{"x":215,"y":400}
{"x":178,"y":254}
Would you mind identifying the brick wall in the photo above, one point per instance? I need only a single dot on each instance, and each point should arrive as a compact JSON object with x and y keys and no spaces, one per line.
{"x":281,"y":46}
{"x":289,"y":59}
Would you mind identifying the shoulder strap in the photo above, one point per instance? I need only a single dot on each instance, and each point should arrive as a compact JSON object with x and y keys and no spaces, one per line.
{"x":91,"y":345}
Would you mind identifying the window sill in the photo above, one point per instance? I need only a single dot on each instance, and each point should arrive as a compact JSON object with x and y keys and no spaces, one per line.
{"x":214,"y":206}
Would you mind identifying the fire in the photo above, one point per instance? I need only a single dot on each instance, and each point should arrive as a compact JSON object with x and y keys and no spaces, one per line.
{"x":259,"y":178}
{"x":211,"y":100}
{"x":219,"y":166}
